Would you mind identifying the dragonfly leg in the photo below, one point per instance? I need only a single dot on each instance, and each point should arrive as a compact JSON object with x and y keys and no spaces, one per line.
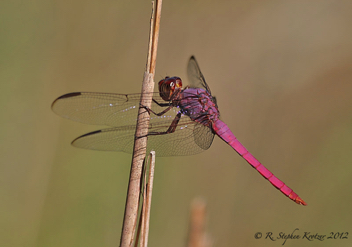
{"x":172,"y":127}
{"x":158,"y":114}
{"x":161,"y":104}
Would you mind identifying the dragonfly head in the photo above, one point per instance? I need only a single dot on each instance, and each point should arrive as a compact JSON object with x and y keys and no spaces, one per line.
{"x":168,"y":86}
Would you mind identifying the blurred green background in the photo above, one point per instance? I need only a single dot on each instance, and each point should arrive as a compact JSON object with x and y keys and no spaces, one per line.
{"x":281,"y":71}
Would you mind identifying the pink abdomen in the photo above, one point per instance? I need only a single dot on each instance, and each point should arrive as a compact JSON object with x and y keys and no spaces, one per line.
{"x":223,"y":131}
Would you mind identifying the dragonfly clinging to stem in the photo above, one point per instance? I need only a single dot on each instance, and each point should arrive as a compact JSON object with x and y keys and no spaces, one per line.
{"x":183,"y":121}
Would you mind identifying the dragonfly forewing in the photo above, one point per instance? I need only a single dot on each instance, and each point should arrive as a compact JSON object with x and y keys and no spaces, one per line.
{"x":107,"y":108}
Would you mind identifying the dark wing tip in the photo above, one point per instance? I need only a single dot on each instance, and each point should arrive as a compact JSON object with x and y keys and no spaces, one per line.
{"x":88,"y":134}
{"x":68,"y":95}
{"x":192,"y":57}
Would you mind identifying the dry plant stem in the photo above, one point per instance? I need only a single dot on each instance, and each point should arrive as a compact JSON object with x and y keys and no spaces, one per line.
{"x":140,"y":144}
{"x":197,"y":234}
{"x":148,"y":201}
{"x":139,"y":230}
{"x":156,"y":28}
{"x":143,"y":225}
{"x":138,"y":233}
{"x":132,"y":200}
{"x":143,"y":211}
{"x":152,"y":19}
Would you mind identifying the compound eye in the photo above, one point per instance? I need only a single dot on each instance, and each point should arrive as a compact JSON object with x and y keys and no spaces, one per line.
{"x":172,"y":84}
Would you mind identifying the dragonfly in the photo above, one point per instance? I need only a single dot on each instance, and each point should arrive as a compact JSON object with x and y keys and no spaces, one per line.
{"x":183,"y":121}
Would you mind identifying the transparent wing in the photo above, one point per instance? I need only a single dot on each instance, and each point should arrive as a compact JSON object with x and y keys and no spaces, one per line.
{"x":189,"y":138}
{"x":196,"y":78}
{"x":107,"y":108}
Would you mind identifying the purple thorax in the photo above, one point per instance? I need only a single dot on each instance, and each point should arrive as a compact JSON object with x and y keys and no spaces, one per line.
{"x":198,"y":105}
